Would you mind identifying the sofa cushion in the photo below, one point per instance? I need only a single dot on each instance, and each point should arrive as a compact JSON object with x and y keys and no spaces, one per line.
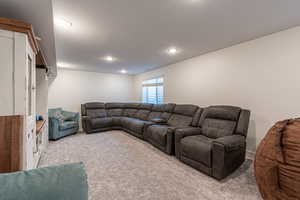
{"x":95,"y":105}
{"x":96,"y":113}
{"x":67,"y":125}
{"x":129,"y":112}
{"x":180,"y":120}
{"x":223,"y":112}
{"x":116,"y":112}
{"x":116,"y":121}
{"x":131,"y":105}
{"x":153,"y":115}
{"x":146,"y":106}
{"x":185,"y":109}
{"x":114,"y":105}
{"x":142,"y":114}
{"x":133,"y":124}
{"x":198,"y":148}
{"x":159,"y":108}
{"x":215,"y":128}
{"x":101,"y":122}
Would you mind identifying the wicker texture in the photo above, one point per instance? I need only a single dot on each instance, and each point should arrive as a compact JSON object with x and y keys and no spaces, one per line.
{"x":277,"y":162}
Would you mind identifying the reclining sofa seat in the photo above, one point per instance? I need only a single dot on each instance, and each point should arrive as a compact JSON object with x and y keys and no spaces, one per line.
{"x":135,"y":117}
{"x":94,"y":118}
{"x":217,"y":147}
{"x":177,"y":116}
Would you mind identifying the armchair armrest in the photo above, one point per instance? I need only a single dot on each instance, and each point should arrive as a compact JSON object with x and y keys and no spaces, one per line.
{"x":229,"y":153}
{"x":180,"y":133}
{"x":231,"y":143}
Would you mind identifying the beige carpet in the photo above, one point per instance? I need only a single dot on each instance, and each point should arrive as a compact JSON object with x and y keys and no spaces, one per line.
{"x":120,"y":166}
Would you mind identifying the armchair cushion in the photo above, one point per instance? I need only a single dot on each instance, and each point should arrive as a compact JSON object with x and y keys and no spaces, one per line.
{"x":67,"y":125}
{"x":70,"y":116}
{"x":232,"y":142}
{"x":51,"y":183}
{"x":198,"y":148}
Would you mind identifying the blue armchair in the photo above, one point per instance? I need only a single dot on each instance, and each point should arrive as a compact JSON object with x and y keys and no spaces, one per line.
{"x":62,"y":123}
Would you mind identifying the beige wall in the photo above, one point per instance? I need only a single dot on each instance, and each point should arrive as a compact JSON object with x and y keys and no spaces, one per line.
{"x":72,"y":88}
{"x":262,"y":75}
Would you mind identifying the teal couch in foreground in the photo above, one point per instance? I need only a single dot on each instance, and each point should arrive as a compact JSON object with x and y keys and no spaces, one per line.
{"x":66,"y":182}
{"x":62,"y":123}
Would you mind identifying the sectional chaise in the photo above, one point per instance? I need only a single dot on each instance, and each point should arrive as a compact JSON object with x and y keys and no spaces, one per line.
{"x":211,"y":140}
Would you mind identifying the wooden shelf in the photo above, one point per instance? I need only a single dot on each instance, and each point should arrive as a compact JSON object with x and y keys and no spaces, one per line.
{"x":39,"y":126}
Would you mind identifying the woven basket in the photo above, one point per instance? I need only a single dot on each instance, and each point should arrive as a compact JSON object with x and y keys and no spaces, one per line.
{"x":277,"y":162}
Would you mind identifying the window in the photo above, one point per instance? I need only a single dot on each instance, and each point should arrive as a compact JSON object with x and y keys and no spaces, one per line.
{"x":153,"y":91}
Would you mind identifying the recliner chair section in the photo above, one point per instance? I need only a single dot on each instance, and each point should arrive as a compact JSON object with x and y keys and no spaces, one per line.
{"x":162,"y":135}
{"x":218,"y":145}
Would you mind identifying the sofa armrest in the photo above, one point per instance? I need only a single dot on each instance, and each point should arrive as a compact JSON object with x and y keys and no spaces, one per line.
{"x":52,"y":183}
{"x":180,"y":133}
{"x":228,"y":154}
{"x":232,"y":142}
{"x":159,"y":121}
{"x":86,"y":125}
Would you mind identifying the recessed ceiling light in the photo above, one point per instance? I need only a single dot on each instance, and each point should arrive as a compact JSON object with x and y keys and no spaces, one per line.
{"x":172,"y":51}
{"x":123,"y":71}
{"x":62,"y":22}
{"x":109,"y":59}
{"x":63,"y":65}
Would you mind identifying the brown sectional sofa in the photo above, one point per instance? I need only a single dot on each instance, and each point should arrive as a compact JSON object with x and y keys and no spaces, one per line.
{"x":212,"y":140}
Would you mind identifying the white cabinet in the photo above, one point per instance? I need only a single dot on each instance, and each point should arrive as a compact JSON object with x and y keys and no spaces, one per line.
{"x":17,"y":87}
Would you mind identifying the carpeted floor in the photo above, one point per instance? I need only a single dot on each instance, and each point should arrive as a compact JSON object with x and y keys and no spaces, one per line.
{"x":120,"y":166}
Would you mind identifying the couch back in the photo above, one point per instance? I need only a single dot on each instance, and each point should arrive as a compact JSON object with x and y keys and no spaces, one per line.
{"x":143,"y":111}
{"x":114,"y":109}
{"x":220,"y":121}
{"x":94,"y":110}
{"x":161,"y":111}
{"x":183,"y":115}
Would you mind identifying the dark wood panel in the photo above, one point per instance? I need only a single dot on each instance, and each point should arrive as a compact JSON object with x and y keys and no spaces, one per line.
{"x":11,"y":143}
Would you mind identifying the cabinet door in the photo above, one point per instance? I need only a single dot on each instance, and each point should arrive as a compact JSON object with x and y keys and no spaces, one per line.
{"x":30,"y":108}
{"x":6,"y":74}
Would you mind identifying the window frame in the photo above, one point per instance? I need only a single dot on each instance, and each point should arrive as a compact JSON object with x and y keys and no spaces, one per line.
{"x":156,"y":85}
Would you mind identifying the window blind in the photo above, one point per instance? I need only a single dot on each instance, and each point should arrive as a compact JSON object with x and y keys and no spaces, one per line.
{"x":153,"y":91}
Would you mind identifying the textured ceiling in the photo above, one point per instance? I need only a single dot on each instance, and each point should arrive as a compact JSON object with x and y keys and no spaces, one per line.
{"x":137,"y":32}
{"x":39,"y":13}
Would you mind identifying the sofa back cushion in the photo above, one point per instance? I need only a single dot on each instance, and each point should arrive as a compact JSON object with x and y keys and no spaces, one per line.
{"x":114,"y":109}
{"x":94,"y":110}
{"x":157,"y":110}
{"x":144,"y":111}
{"x":219,"y":121}
{"x":182,"y":115}
{"x":130,"y":109}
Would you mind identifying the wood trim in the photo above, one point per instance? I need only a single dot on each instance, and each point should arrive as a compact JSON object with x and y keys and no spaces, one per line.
{"x":41,"y":59}
{"x":11,"y":143}
{"x":22,"y":27}
{"x":40,"y":125}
